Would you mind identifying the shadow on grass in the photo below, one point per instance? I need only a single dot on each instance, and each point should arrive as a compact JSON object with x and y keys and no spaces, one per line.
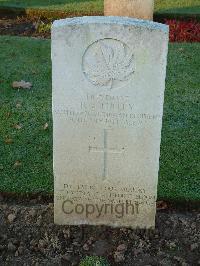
{"x":49,"y":4}
{"x":183,"y":13}
{"x":194,"y":10}
{"x":51,"y":9}
{"x":67,"y":8}
{"x":167,"y":6}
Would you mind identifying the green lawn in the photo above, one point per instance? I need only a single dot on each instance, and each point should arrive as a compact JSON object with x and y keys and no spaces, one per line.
{"x":31,"y":145}
{"x":96,"y":6}
{"x":178,"y":6}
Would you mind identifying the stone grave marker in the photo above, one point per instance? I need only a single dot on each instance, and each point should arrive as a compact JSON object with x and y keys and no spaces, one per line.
{"x":108,"y":93}
{"x":141,"y":9}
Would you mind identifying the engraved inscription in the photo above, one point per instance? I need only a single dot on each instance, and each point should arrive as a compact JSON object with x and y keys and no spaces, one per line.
{"x":108,"y":119}
{"x":108,"y":111}
{"x":104,"y":194}
{"x":108,"y":63}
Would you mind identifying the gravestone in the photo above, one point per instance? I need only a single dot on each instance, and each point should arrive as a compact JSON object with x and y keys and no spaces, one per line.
{"x":142,"y":9}
{"x":108,"y":93}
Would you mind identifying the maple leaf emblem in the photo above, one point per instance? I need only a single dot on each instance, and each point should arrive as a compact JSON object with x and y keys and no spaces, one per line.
{"x":108,"y":61}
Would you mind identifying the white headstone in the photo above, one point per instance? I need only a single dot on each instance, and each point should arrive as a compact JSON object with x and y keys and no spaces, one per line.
{"x":142,"y":9}
{"x":108,"y":93}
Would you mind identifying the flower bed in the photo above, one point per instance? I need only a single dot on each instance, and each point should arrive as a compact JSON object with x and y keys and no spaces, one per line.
{"x":180,"y":31}
{"x":184,"y":31}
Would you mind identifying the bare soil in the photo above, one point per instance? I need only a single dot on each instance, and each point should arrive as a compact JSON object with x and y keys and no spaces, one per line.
{"x":23,"y":26}
{"x":28,"y":236}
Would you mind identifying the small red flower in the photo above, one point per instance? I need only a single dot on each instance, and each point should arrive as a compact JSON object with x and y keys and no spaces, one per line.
{"x":183,"y":31}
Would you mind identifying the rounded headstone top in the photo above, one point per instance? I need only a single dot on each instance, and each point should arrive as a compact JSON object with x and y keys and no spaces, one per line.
{"x":111,"y":20}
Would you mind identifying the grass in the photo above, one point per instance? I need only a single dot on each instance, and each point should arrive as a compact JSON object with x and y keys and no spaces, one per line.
{"x":96,"y":6}
{"x":94,"y":260}
{"x":177,"y":6}
{"x":31,"y":146}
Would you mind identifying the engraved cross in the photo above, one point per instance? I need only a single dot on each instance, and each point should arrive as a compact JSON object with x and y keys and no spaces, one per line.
{"x":105,"y":150}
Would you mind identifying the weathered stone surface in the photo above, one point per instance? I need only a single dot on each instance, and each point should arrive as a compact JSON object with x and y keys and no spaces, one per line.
{"x":141,"y":9}
{"x":108,"y":92}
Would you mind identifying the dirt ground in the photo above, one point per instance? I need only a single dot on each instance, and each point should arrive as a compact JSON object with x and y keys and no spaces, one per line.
{"x":28,"y":236}
{"x":24,"y":26}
